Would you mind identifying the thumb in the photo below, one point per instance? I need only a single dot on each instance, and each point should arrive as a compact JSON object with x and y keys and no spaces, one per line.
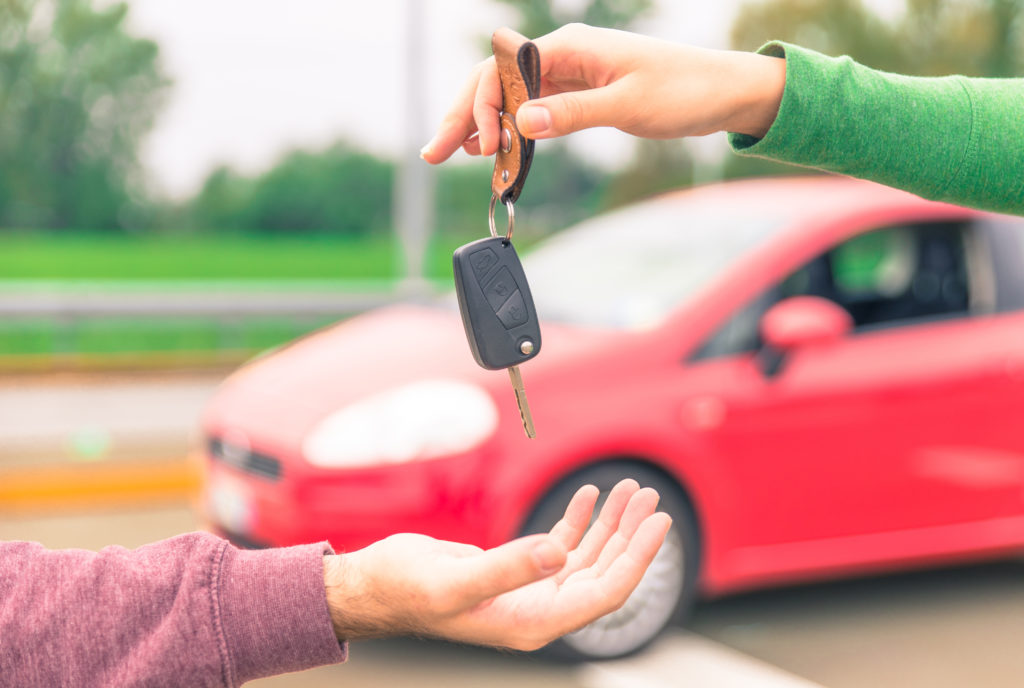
{"x":564,"y":113}
{"x":510,"y":566}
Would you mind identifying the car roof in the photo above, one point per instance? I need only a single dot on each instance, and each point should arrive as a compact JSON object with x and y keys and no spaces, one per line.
{"x":799,"y":198}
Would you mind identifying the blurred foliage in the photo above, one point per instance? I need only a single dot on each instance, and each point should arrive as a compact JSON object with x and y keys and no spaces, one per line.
{"x":744,"y":167}
{"x":656,"y":166}
{"x":460,"y":200}
{"x":539,"y":17}
{"x":930,"y":38}
{"x":560,"y":190}
{"x":76,"y":93}
{"x":340,"y":190}
{"x":345,"y":191}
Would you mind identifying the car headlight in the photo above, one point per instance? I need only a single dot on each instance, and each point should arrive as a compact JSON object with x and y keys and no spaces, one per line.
{"x":422,"y":420}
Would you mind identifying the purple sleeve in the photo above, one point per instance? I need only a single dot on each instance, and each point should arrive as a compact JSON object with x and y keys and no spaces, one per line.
{"x":191,"y":610}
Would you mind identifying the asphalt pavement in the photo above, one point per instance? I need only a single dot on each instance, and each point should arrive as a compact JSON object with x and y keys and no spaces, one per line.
{"x":947,"y":628}
{"x":943,"y":628}
{"x":74,"y":440}
{"x":95,"y":418}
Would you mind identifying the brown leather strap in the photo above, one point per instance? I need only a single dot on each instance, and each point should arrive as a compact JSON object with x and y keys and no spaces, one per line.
{"x":519,"y":69}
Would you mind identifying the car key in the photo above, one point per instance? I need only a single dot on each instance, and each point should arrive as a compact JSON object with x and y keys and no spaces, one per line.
{"x":494,"y":296}
{"x":497,"y":311}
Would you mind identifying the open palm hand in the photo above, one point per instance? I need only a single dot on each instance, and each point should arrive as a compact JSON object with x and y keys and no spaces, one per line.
{"x":521,"y":595}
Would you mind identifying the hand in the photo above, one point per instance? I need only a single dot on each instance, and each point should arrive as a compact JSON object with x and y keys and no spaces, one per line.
{"x":593,"y":77}
{"x":521,"y":595}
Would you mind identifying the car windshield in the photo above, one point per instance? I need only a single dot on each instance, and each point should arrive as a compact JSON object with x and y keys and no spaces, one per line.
{"x":629,"y":269}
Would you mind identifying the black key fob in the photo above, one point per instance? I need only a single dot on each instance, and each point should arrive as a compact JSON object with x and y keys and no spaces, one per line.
{"x":495,"y":302}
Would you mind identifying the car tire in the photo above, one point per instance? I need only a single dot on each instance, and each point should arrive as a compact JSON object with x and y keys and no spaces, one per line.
{"x":667,"y":590}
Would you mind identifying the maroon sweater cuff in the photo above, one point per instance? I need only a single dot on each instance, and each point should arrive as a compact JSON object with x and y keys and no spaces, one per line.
{"x":272,"y":613}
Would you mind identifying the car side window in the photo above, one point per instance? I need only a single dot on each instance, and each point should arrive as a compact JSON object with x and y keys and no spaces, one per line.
{"x":739,"y":333}
{"x":891,"y":275}
{"x":884,"y":278}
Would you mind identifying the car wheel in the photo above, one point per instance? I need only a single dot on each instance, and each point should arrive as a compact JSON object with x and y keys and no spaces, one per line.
{"x":666,"y":591}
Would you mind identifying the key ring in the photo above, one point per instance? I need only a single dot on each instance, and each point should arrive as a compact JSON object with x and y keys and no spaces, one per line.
{"x":511,"y":218}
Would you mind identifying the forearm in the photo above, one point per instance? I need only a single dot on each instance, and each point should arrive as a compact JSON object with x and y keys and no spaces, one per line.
{"x":190,"y":610}
{"x":952,"y":138}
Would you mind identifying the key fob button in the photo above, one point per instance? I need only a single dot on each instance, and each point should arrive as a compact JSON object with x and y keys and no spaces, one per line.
{"x":499,"y":289}
{"x":513,"y":313}
{"x":482,"y":262}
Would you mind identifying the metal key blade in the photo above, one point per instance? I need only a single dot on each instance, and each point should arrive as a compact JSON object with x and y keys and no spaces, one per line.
{"x":524,"y":406}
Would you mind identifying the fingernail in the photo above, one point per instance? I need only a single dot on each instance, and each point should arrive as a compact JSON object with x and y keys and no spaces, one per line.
{"x":427,"y":148}
{"x":533,"y":120}
{"x":549,"y":556}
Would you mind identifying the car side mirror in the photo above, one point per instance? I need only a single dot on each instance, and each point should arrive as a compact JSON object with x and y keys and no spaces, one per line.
{"x":798,"y":322}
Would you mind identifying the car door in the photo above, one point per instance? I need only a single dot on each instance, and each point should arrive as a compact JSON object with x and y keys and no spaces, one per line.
{"x":909,"y":425}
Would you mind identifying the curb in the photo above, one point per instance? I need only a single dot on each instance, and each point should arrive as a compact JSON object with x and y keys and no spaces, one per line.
{"x":64,"y":486}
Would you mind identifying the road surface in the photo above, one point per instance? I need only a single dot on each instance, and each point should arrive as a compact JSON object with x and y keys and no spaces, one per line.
{"x":940,"y":629}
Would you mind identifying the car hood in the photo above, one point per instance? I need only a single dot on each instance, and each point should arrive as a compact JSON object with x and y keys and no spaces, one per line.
{"x":291,"y":389}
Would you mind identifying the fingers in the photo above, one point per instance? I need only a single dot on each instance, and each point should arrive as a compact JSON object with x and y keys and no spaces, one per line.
{"x":606,"y":524}
{"x":459,"y":124}
{"x":626,"y":570}
{"x":564,"y":113}
{"x":568,"y":59}
{"x":641,"y":505}
{"x":582,"y":600}
{"x":597,"y":77}
{"x":472,"y":145}
{"x":570,"y":529}
{"x":487,"y":108}
{"x":573,"y":70}
{"x":583,"y":69}
{"x":501,"y":569}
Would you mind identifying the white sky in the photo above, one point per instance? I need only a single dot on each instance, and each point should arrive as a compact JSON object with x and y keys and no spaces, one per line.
{"x":255,"y":78}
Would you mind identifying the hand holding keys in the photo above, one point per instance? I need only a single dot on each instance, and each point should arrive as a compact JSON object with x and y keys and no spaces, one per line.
{"x":494,"y":296}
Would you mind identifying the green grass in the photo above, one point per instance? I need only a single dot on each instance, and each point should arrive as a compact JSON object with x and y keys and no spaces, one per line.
{"x":70,"y":256}
{"x":67,"y":261}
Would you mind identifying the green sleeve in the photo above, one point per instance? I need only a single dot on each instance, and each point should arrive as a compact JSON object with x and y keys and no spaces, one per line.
{"x":949,"y":138}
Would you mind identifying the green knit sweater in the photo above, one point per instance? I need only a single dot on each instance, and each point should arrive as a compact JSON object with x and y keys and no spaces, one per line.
{"x":950,"y":138}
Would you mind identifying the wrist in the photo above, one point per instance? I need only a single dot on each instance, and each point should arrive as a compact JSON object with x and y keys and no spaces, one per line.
{"x":760,"y":82}
{"x":357,"y":612}
{"x":335,"y":585}
{"x":361,"y":606}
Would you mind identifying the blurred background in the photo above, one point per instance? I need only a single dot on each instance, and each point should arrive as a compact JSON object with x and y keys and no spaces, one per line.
{"x":186,"y":185}
{"x":191,"y":150}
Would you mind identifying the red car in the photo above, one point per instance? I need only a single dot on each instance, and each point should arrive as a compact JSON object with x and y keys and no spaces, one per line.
{"x":821,"y":376}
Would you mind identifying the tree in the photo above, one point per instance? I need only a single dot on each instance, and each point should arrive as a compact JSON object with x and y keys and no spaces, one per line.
{"x":339,"y":190}
{"x":76,"y":94}
{"x":931,"y":38}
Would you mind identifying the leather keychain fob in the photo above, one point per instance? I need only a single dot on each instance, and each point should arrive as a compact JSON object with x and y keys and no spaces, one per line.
{"x":518,"y":63}
{"x":494,"y":297}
